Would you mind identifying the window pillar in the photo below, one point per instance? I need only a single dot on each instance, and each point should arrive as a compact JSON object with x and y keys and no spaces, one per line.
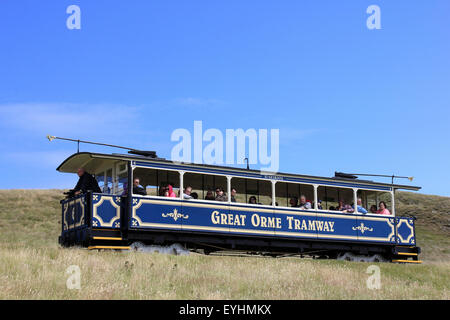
{"x":355,"y":200}
{"x":393,"y":202}
{"x":316,"y":199}
{"x":181,"y":184}
{"x":273,"y":193}
{"x":229,"y":188}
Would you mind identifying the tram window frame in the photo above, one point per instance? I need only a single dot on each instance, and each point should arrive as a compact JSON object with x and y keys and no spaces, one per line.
{"x":157,"y":187}
{"x":245,"y":184}
{"x":377,"y":196}
{"x":293,"y":190}
{"x":105,"y":179}
{"x":328,"y":193}
{"x":390,"y":202}
{"x":205,"y":185}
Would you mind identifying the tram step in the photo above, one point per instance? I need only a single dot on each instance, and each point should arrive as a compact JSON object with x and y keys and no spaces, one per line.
{"x":109,"y":247}
{"x":407,"y":261}
{"x":107,"y":238}
{"x":407,"y":254}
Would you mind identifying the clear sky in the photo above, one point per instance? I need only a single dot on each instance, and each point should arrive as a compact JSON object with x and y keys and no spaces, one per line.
{"x":345,"y":98}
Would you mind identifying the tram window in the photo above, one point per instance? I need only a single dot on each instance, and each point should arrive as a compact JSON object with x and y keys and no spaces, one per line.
{"x":387,"y":198}
{"x":289,"y":194}
{"x":122,"y":167}
{"x":195,"y":181}
{"x":368,"y":198}
{"x":247,"y":188}
{"x":371,"y":200}
{"x":330,"y":197}
{"x":211,"y":183}
{"x":122,"y":179}
{"x":202,"y":183}
{"x":154,"y":181}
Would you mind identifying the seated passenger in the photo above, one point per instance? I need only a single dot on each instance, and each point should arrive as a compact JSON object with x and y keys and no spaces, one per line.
{"x":344,"y":207}
{"x":233,"y":195}
{"x":383,"y":209}
{"x":332,"y":208}
{"x":304,"y":205}
{"x":85,"y":183}
{"x":209,"y":195}
{"x":293,"y":202}
{"x":220,"y":195}
{"x":170,"y":192}
{"x":361,"y":209}
{"x":252,"y":200}
{"x":319,"y":205}
{"x":194,"y":195}
{"x":187,"y":193}
{"x":373,"y":209}
{"x":137,"y":188}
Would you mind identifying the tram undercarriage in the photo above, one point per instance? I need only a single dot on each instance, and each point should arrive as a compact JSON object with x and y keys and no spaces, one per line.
{"x":182,"y":243}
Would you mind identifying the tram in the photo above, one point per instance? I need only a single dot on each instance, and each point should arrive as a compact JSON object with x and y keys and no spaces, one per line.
{"x":260,"y":213}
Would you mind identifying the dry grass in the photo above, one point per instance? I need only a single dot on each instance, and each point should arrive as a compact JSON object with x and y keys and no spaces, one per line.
{"x":33,"y":266}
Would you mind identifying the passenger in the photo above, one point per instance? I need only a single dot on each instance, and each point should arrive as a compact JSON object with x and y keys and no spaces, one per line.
{"x":383,"y":209}
{"x":304,"y":205}
{"x":319,"y":205}
{"x":252,"y":200}
{"x":137,"y":188}
{"x":332,"y":208}
{"x":187,"y":193}
{"x":233,"y":195}
{"x":373,"y":209}
{"x":361,"y":209}
{"x":293,"y":202}
{"x":194,"y":195}
{"x":85,"y":183}
{"x":162,"y":191}
{"x":209,"y":195}
{"x":345,"y":208}
{"x":220,"y":195}
{"x":171,"y":193}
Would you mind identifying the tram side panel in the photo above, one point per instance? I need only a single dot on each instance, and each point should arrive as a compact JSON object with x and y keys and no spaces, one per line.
{"x":205,"y":217}
{"x":406,"y":233}
{"x":295,"y":224}
{"x":106,"y":210}
{"x":75,"y":214}
{"x":251,"y":221}
{"x":162,"y":213}
{"x":376,"y":229}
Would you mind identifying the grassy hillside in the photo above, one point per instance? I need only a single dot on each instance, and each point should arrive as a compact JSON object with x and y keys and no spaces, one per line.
{"x":33,"y":266}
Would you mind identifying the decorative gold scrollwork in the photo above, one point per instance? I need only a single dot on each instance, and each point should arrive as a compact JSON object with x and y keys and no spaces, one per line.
{"x":175,"y":215}
{"x":362,"y":228}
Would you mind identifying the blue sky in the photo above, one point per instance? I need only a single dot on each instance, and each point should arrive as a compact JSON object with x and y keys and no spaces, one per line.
{"x":345,"y":98}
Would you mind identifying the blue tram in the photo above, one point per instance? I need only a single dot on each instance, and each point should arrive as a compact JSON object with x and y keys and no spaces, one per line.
{"x":261,"y":213}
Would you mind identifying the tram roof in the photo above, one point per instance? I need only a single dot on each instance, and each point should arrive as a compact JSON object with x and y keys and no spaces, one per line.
{"x":92,"y":161}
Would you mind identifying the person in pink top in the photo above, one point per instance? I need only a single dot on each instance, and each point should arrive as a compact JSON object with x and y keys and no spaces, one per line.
{"x":170,"y":190}
{"x":383,"y":209}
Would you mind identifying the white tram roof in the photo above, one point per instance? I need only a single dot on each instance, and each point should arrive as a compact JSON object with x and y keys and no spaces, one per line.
{"x":94,"y":162}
